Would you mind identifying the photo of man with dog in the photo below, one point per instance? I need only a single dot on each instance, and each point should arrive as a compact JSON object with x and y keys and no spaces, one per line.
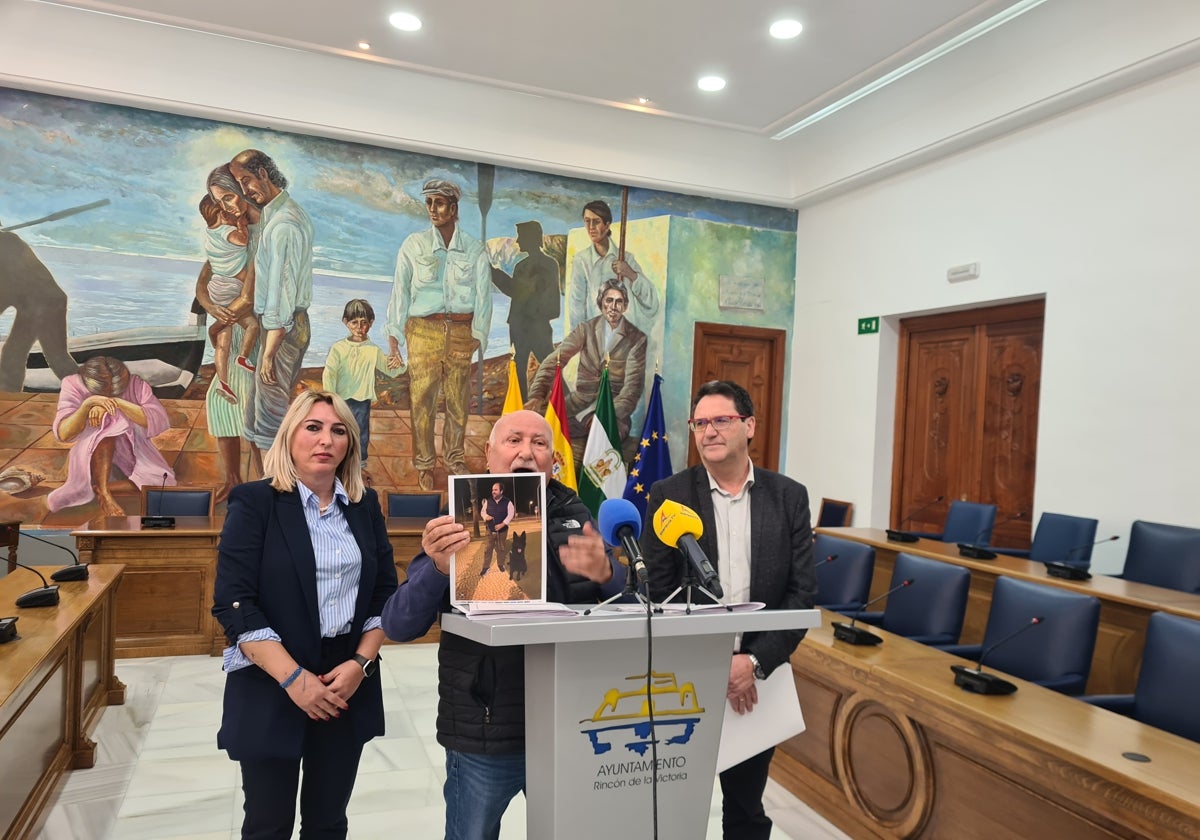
{"x":504,"y":559}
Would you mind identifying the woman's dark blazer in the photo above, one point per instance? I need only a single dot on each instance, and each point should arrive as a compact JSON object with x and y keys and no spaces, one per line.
{"x":266,"y":577}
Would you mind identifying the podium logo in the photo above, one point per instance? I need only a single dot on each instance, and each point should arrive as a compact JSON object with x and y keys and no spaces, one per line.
{"x":624,"y":716}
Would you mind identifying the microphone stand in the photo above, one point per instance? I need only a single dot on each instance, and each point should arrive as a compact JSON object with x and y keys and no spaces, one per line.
{"x":896,"y":535}
{"x":631,"y":588}
{"x":687,"y":583}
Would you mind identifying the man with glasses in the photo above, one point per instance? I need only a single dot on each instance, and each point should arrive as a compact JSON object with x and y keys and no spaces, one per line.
{"x":757,"y":530}
{"x":609,"y":339}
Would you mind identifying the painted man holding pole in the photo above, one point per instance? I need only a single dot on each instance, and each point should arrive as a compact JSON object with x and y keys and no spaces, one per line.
{"x":600,"y":261}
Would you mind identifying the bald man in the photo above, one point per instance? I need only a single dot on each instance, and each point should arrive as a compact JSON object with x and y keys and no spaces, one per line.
{"x":481,"y":710}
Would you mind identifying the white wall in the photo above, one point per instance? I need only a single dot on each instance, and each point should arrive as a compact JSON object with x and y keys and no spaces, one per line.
{"x":1096,"y":210}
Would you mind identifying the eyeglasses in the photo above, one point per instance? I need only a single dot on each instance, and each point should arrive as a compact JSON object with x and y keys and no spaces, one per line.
{"x":721,"y":424}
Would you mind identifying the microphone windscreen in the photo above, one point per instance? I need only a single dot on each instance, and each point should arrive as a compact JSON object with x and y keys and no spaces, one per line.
{"x":614,"y":515}
{"x":673,"y":520}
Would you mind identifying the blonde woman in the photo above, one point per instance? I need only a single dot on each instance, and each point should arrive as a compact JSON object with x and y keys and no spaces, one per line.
{"x":303,"y":571}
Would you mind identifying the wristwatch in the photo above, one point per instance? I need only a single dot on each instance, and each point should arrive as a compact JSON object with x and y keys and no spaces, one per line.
{"x":759,"y":673}
{"x":369,"y":666}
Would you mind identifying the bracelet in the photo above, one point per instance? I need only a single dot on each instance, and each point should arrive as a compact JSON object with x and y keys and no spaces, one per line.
{"x":291,"y":679}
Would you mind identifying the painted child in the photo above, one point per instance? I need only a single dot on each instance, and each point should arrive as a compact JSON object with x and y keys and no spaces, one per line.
{"x":351,"y":365}
{"x":232,"y":285}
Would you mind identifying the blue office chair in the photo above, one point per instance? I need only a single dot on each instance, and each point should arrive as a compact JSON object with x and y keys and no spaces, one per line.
{"x":834,"y":514}
{"x":177,"y":501}
{"x":426,"y":505}
{"x":966,"y":522}
{"x":1060,"y":538}
{"x":1163,"y":555}
{"x":843,"y":583}
{"x":1169,"y":682}
{"x":1056,"y":654}
{"x":932,"y":609}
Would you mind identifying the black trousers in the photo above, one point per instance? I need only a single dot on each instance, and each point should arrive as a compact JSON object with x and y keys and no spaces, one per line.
{"x":329,"y":763}
{"x":742,"y":786}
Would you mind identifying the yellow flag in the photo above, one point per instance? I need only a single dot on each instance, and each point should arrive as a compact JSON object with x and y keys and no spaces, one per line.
{"x":556,"y":416}
{"x":512,"y":400}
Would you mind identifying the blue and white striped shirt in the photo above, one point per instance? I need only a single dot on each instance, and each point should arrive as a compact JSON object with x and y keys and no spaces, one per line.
{"x":339,"y":568}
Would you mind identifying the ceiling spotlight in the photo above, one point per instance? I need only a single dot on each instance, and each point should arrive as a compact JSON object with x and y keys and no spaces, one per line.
{"x":363,"y":45}
{"x":784,"y":29}
{"x":405,"y":22}
{"x":711,"y":83}
{"x":641,"y":100}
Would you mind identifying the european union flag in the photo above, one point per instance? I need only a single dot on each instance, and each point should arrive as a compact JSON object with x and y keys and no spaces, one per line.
{"x":653,"y":459}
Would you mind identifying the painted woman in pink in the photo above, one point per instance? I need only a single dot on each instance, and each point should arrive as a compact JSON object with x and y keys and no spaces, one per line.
{"x":109,"y":416}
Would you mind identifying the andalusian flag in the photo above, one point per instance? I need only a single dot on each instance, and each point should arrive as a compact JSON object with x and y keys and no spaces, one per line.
{"x":556,"y":416}
{"x":653,"y":459}
{"x":603,"y":469}
{"x":512,"y":400}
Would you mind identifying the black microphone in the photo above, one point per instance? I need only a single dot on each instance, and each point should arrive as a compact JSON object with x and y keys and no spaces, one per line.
{"x":974,"y":680}
{"x":1071,"y":571}
{"x":159,"y":521}
{"x":77,"y":571}
{"x":978,"y":552}
{"x":46,"y":596}
{"x":856,"y":635}
{"x":902,"y":536}
{"x":828,"y":559}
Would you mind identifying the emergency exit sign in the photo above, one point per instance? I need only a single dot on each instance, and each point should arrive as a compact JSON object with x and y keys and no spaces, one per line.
{"x":866,"y":326}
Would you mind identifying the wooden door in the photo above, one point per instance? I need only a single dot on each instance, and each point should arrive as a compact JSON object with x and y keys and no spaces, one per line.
{"x":752,"y":357}
{"x":966,"y":419}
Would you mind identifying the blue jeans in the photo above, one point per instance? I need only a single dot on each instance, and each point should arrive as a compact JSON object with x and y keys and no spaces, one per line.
{"x":361,"y":409}
{"x":477,"y":792}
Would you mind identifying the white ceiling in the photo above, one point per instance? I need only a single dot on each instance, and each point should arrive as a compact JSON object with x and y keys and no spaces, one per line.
{"x":608,"y":53}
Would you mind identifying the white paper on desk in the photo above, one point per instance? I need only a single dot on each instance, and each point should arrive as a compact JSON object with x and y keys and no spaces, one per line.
{"x":776,"y":717}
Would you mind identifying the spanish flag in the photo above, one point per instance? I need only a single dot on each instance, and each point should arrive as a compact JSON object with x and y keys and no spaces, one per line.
{"x":512,"y":400}
{"x":556,"y":416}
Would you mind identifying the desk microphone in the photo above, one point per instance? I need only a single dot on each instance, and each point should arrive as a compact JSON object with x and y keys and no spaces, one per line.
{"x":45,"y":596}
{"x":1071,"y":571}
{"x":978,"y":552}
{"x":77,"y":571}
{"x":903,"y":536}
{"x":621,"y":525}
{"x":158,"y":520}
{"x":678,"y":526}
{"x":977,"y":682}
{"x":828,"y":559}
{"x":856,"y":635}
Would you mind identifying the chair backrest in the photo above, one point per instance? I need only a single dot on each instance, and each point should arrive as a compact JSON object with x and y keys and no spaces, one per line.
{"x":846,"y":580}
{"x":834,"y":514}
{"x":177,"y":501}
{"x":1059,"y":648}
{"x":1164,"y":555}
{"x":934,"y":606}
{"x":969,"y":522}
{"x":414,"y":504}
{"x":1169,"y":683}
{"x":1060,"y":538}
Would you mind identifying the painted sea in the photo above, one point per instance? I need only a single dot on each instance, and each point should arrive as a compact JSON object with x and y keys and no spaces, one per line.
{"x":166,"y":288}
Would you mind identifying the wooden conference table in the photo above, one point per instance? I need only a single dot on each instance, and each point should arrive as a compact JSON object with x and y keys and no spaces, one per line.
{"x":1125,"y":606}
{"x":55,"y":680}
{"x":164,"y":606}
{"x":894,"y":749}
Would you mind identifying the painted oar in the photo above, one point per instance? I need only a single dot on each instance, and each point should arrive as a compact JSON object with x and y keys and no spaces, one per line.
{"x":54,"y":217}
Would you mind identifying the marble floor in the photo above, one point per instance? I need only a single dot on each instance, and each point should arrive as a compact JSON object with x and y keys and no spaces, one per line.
{"x":159,"y":774}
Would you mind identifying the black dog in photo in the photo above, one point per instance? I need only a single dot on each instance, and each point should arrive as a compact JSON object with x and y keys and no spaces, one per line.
{"x":517,"y":566}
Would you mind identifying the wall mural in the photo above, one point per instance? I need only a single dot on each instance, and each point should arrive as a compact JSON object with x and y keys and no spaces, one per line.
{"x":168,"y":283}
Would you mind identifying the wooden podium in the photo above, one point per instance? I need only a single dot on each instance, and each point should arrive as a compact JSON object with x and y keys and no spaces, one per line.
{"x":588,"y":737}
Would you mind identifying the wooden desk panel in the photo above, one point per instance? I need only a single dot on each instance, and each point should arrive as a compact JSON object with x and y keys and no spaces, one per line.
{"x":895,"y":749}
{"x":54,"y":683}
{"x":1125,"y":606}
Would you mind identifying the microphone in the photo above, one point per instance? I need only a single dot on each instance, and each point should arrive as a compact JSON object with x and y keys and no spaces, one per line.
{"x":678,"y":526}
{"x":856,"y":635}
{"x":978,"y":552}
{"x":44,"y":596}
{"x":77,"y":571}
{"x":977,"y":682}
{"x":621,"y":525}
{"x":1071,"y":571}
{"x":159,"y":521}
{"x":903,"y":536}
{"x":828,"y":559}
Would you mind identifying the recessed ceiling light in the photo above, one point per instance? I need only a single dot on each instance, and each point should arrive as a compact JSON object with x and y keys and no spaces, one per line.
{"x":711,"y":83}
{"x":405,"y":22}
{"x":641,"y":100}
{"x":363,"y":45}
{"x":784,"y":29}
